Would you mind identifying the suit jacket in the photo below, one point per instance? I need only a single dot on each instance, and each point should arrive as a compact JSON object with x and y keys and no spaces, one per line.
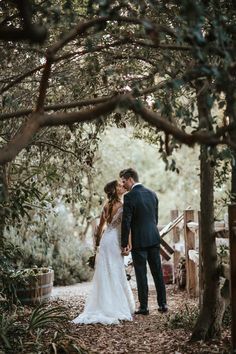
{"x":140,"y":216}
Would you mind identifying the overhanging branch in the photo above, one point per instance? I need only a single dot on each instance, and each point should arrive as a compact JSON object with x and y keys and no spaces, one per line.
{"x":58,"y":59}
{"x":56,"y":107}
{"x":37,"y":121}
{"x":201,"y":136}
{"x":81,"y":103}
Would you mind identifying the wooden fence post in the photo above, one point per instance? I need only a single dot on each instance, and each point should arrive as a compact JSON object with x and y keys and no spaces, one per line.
{"x":232,"y":246}
{"x":176,"y":237}
{"x":191,"y":267}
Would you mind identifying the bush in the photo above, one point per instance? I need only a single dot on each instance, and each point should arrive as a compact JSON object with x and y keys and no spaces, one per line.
{"x":184,"y":319}
{"x":51,"y":242}
{"x":6,"y":326}
{"x":43,"y":329}
{"x":9,"y":254}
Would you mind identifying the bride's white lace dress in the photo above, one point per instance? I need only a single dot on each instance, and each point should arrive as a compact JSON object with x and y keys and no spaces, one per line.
{"x":111,"y":298}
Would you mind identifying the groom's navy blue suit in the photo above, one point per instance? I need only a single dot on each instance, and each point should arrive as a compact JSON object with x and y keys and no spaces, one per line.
{"x":140,"y":216}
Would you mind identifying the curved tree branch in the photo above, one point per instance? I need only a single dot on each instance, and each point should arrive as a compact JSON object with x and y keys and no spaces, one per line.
{"x":39,"y":143}
{"x":65,"y":56}
{"x":52,"y":50}
{"x":44,"y":85}
{"x":56,"y":107}
{"x":201,"y":136}
{"x":37,"y":121}
{"x":80,"y":29}
{"x":82,"y":103}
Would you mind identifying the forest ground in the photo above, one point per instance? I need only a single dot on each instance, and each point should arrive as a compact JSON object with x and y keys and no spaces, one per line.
{"x":156,"y":333}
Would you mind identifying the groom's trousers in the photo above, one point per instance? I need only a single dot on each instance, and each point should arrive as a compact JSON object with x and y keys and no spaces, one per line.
{"x":140,"y":258}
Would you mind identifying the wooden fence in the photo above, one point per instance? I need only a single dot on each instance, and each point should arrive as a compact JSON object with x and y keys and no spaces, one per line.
{"x":194,"y":282}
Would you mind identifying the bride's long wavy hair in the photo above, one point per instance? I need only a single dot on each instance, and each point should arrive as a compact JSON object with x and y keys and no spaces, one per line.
{"x":112,"y":196}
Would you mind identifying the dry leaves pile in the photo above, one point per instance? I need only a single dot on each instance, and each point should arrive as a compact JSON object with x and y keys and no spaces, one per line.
{"x":156,"y":333}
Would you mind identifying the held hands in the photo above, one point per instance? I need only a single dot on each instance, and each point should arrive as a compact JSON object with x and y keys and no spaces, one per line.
{"x":125,"y":250}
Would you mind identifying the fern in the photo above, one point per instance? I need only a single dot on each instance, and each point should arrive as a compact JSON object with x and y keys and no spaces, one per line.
{"x":43,"y":317}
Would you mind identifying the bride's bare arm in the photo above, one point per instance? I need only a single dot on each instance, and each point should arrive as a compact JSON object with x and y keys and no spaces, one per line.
{"x":100,"y":227}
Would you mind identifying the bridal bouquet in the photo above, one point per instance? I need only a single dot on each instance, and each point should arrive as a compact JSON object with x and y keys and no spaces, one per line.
{"x":91,"y":261}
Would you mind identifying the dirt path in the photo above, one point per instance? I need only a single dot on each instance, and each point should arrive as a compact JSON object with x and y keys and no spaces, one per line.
{"x":65,"y":292}
{"x":145,"y":334}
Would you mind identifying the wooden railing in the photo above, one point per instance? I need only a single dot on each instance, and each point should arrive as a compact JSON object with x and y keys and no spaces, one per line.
{"x":194,"y":283}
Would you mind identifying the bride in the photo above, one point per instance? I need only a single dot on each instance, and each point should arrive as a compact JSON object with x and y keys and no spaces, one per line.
{"x":111,"y":298}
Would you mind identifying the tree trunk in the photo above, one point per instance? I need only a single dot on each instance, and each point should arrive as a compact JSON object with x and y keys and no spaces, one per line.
{"x":231,"y":112}
{"x":211,"y":313}
{"x":233,"y":178}
{"x":3,"y":199}
{"x":210,"y":318}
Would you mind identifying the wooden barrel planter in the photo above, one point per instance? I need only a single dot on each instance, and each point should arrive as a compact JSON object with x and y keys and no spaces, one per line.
{"x":38,"y":287}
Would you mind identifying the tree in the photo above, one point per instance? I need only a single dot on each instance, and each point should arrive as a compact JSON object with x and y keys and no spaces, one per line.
{"x":40,"y":120}
{"x":153,"y":61}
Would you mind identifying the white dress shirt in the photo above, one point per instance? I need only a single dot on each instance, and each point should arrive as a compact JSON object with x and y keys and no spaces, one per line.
{"x":135,"y":184}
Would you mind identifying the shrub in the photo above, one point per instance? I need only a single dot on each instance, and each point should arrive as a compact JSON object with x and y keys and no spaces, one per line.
{"x":52,"y":242}
{"x":44,"y":329}
{"x":9,"y":254}
{"x":6,"y":325}
{"x":185,"y":318}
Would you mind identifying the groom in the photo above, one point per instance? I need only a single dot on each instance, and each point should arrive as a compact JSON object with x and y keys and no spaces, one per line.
{"x":140,"y":217}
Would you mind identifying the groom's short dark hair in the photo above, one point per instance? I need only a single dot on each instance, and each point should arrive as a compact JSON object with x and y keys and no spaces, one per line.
{"x":129,"y":172}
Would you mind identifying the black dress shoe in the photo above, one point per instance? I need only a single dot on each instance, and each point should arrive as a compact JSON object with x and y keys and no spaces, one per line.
{"x":163,"y":308}
{"x":142,"y":312}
